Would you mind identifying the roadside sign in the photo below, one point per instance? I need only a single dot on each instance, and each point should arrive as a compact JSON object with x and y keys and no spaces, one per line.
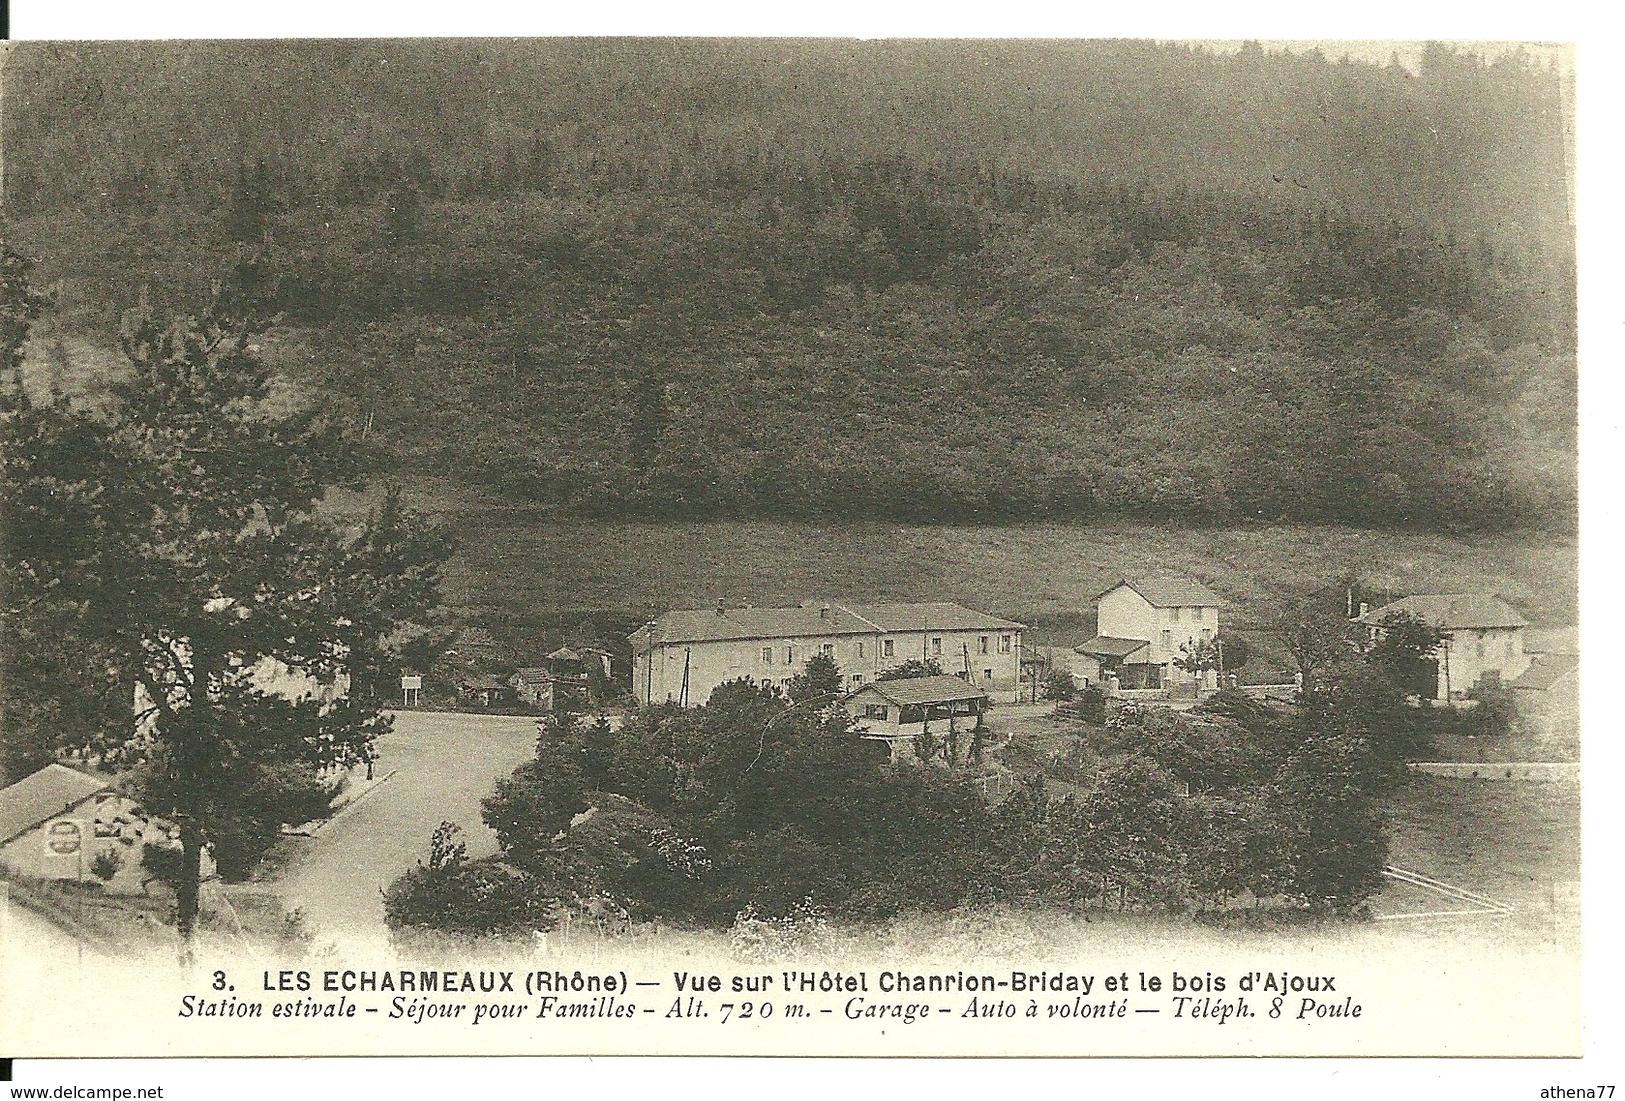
{"x":63,"y":836}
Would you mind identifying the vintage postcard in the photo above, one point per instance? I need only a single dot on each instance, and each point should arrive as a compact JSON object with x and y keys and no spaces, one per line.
{"x":901,"y":547}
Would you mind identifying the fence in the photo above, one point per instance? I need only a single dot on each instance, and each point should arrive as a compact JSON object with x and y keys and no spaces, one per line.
{"x":1271,"y":691}
{"x":995,"y":786}
{"x":1537,"y":771}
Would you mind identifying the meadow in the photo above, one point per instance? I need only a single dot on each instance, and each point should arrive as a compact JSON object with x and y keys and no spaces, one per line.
{"x":528,"y":576}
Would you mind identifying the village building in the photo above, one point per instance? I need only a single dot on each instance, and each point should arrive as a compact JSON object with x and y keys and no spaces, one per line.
{"x":1140,"y":626}
{"x":484,"y":689}
{"x":533,"y":685}
{"x":579,"y":673}
{"x":56,"y":822}
{"x":1547,"y":694}
{"x":901,"y":712}
{"x":683,"y":655}
{"x":1482,"y":638}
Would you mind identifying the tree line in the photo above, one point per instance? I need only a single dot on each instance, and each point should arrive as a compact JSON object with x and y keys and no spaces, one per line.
{"x":1039,"y":302}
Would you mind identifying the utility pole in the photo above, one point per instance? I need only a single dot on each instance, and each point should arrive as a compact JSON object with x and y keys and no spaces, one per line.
{"x":5,"y":54}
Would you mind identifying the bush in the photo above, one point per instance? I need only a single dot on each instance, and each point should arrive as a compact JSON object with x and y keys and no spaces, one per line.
{"x":1060,"y":686}
{"x":1090,"y":705}
{"x":1495,"y":716}
{"x":105,"y":864}
{"x":472,"y":897}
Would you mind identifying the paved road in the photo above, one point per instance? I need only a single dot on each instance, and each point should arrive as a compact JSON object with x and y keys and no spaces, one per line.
{"x":444,"y":765}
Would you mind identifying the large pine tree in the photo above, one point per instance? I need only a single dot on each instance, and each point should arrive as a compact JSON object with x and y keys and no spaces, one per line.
{"x":173,"y":540}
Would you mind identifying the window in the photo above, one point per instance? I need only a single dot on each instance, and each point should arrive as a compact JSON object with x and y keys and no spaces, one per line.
{"x":767,"y":655}
{"x":860,"y":649}
{"x":876,"y":711}
{"x":789,"y":655}
{"x":1004,"y":644}
{"x":1167,"y":639}
{"x":857,"y":678}
{"x":1206,"y":634}
{"x":885,"y":648}
{"x":987,"y":674}
{"x":982,"y":645}
{"x":1173,"y":615}
{"x":936,"y":647}
{"x":828,"y":649}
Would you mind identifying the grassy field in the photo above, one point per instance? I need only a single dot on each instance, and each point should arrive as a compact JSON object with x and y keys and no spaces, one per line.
{"x":526,"y":576}
{"x":1515,"y":842}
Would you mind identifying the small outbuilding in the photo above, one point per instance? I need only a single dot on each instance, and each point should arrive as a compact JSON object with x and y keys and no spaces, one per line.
{"x":50,"y":821}
{"x":899,"y":712}
{"x":484,"y":689}
{"x":1548,"y":694}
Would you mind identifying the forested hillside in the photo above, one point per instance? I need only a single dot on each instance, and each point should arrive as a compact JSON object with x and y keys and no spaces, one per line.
{"x":971,"y":281}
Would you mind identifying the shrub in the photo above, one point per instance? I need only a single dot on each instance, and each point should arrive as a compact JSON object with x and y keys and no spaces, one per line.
{"x":1060,"y":686}
{"x":105,"y":864}
{"x":1090,"y":705}
{"x":1495,"y":715}
{"x":472,"y":897}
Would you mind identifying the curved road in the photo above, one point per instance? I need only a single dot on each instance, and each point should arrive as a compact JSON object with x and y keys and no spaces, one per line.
{"x":444,"y":764}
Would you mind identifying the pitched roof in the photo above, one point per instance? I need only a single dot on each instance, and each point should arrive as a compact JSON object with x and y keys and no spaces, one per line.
{"x":1170,"y":592}
{"x":1545,"y":670}
{"x":1552,"y":640}
{"x":1449,"y":611}
{"x":531,"y":675}
{"x":815,"y":620}
{"x":918,"y":690}
{"x":931,"y":617}
{"x":564,"y":653}
{"x":1104,"y":646}
{"x":42,"y":795}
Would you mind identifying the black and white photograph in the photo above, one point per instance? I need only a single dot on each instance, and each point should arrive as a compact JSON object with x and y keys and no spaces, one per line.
{"x":1056,"y":546}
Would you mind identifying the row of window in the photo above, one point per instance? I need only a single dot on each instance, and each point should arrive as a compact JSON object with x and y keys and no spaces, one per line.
{"x":1168,"y":637}
{"x":1197,"y":614}
{"x":888,"y":648}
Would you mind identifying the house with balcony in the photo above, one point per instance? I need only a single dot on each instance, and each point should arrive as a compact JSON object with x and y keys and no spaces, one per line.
{"x":902,"y":712}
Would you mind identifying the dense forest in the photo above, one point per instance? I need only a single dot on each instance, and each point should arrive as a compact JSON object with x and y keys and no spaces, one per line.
{"x":905,"y":280}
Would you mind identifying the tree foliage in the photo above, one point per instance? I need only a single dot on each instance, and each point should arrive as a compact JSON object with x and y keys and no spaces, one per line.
{"x":592,"y":318}
{"x":176,"y":533}
{"x":820,"y":678}
{"x":755,"y":805}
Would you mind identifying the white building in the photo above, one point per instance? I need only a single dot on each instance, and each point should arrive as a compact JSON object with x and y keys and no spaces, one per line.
{"x":683,"y":655}
{"x":1141,"y":625}
{"x":1482,"y":638}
